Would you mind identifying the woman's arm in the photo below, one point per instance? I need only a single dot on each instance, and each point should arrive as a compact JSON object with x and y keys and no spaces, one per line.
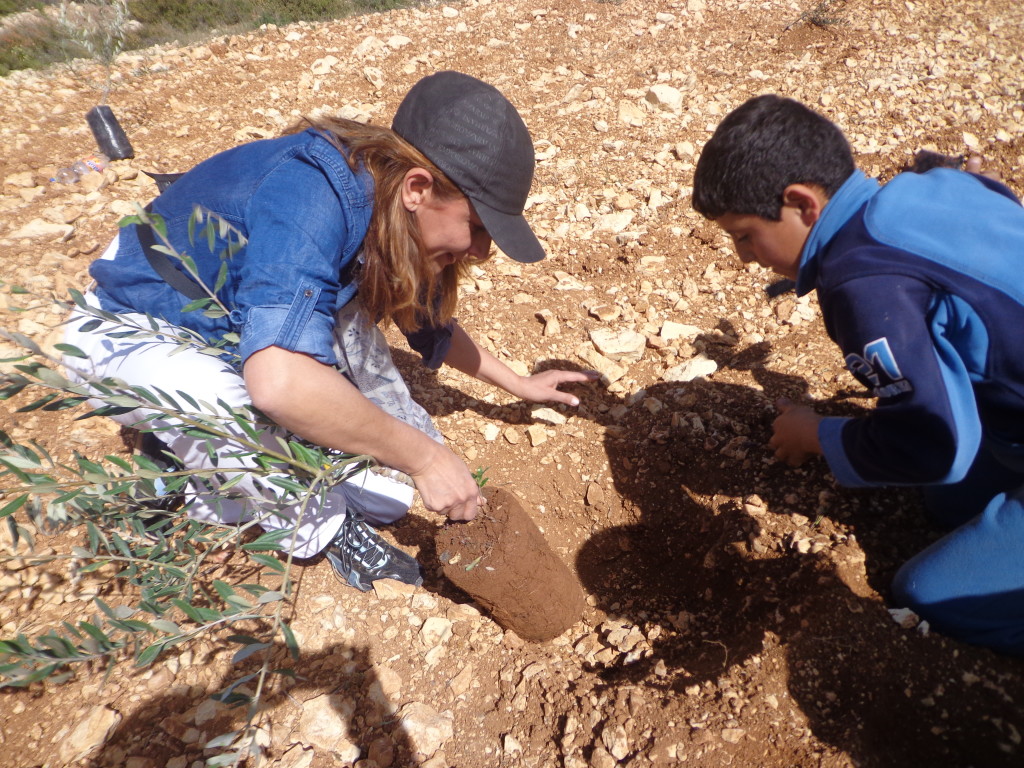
{"x":469,"y":357}
{"x":315,"y":401}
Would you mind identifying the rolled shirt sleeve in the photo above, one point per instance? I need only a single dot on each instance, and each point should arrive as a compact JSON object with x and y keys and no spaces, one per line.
{"x":291,"y":282}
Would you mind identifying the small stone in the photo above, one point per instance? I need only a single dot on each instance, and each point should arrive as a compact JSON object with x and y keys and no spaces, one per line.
{"x":323,"y":724}
{"x":42,"y":228}
{"x":435,"y":631}
{"x":389,"y":589}
{"x":625,"y":345}
{"x":385,"y":689}
{"x":438,"y":760}
{"x":207,"y":711}
{"x":490,"y":432}
{"x":614,"y":739}
{"x":614,"y":223}
{"x":381,"y":751}
{"x":665,"y":97}
{"x":601,"y":758}
{"x":374,"y":76}
{"x":695,"y":368}
{"x":551,"y":325}
{"x":325,"y":65}
{"x":369,"y":45}
{"x":905,"y":617}
{"x":519,"y":367}
{"x":427,"y":729}
{"x":624,"y":202}
{"x":537,"y":434}
{"x":463,"y":681}
{"x":606,"y":312}
{"x":631,"y":113}
{"x":733,"y":735}
{"x":548,"y":414}
{"x":510,"y":745}
{"x":670,"y":331}
{"x":89,"y":732}
{"x":25,"y":179}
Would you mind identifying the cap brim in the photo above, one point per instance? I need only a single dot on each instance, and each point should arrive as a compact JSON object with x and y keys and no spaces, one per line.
{"x":511,"y":233}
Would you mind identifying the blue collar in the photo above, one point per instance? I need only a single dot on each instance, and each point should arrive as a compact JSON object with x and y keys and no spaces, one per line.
{"x":841,"y":207}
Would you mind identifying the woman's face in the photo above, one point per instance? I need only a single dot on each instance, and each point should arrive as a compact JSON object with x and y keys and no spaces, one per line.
{"x":451,"y":231}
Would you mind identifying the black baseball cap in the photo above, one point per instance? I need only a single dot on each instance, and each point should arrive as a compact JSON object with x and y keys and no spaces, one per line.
{"x":470,"y":131}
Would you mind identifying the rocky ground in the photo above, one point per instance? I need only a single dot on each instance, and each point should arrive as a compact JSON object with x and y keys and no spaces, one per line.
{"x":736,"y":610}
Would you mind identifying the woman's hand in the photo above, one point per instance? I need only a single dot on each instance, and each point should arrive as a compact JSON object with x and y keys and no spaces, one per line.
{"x":795,"y":437}
{"x":446,"y":485}
{"x":543,"y":387}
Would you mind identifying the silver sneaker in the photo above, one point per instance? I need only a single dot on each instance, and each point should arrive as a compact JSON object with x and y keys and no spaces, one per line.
{"x":360,"y":556}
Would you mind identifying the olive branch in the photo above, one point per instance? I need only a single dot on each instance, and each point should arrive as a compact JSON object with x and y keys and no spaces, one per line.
{"x":154,"y":568}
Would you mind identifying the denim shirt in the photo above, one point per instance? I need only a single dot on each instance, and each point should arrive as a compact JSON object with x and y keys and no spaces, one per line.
{"x":303,"y":213}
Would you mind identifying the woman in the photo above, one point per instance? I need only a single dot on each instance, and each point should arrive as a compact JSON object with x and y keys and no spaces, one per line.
{"x":395,"y":214}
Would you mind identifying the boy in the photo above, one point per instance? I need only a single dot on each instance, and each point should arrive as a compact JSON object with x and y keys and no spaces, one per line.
{"x":921,"y":284}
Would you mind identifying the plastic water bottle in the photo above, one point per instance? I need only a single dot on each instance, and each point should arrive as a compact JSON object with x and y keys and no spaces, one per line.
{"x":80,"y":168}
{"x":89,"y":164}
{"x":65,"y":176}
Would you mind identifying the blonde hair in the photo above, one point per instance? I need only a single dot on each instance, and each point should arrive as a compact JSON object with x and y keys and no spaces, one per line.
{"x":396,"y":282}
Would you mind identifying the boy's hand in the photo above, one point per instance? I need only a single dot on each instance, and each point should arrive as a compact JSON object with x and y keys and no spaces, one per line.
{"x":795,"y":437}
{"x":974,"y":165}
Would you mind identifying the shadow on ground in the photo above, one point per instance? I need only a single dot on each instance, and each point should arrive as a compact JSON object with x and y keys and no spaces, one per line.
{"x":744,"y":561}
{"x":335,"y":693}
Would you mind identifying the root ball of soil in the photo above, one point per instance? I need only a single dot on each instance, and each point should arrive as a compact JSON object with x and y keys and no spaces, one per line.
{"x":504,"y":563}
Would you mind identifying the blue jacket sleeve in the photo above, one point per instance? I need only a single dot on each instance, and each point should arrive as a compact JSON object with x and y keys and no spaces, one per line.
{"x":925,"y":428}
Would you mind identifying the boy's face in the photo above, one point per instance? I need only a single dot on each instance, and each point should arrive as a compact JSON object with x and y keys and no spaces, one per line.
{"x":776,"y":245}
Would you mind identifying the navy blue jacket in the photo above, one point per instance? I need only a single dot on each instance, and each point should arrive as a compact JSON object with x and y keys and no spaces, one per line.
{"x":921,"y":284}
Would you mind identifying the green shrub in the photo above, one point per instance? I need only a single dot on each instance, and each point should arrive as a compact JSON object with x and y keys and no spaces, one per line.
{"x":37,"y":43}
{"x":32,"y":44}
{"x":16,"y":6}
{"x":189,"y":15}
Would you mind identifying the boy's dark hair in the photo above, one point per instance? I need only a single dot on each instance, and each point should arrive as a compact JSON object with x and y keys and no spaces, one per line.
{"x":762,"y":147}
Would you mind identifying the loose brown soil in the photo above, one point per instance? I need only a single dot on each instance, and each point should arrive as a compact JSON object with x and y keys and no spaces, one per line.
{"x":736,"y":609}
{"x":502,"y":561}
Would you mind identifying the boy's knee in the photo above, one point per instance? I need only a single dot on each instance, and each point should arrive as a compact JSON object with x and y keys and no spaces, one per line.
{"x":916,"y":586}
{"x":990,"y":616}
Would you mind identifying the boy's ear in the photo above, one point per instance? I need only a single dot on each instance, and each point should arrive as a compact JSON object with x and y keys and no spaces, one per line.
{"x":417,"y":186}
{"x":810,"y":200}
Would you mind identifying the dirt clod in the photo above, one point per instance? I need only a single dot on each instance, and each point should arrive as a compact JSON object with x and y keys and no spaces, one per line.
{"x":502,"y":561}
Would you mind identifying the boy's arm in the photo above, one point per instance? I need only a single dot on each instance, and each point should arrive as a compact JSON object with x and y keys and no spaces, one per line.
{"x":925,"y":428}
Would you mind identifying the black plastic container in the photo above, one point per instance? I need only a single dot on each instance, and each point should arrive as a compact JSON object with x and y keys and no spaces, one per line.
{"x":109,"y":134}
